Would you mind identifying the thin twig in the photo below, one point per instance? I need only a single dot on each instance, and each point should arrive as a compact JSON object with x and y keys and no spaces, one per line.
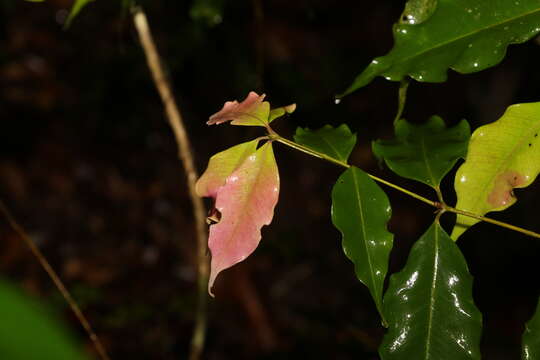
{"x":185,"y":154}
{"x":56,"y":280}
{"x":437,"y":204}
{"x":312,"y":152}
{"x":493,"y":221}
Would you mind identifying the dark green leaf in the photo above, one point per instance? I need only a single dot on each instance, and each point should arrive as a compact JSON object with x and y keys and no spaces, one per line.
{"x":28,"y":332}
{"x":530,"y":349}
{"x":334,"y":142}
{"x":464,"y":35}
{"x":418,"y":11}
{"x":361,"y":210}
{"x":75,"y":10}
{"x":429,"y":304}
{"x":424,"y":152}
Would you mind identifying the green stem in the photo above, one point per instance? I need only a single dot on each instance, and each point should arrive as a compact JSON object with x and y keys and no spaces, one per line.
{"x":292,"y":144}
{"x":402,"y":98}
{"x":492,"y":221}
{"x":439,"y":205}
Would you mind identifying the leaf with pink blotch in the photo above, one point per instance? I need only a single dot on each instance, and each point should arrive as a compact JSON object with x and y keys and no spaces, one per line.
{"x":246,"y":203}
{"x":221,"y":165}
{"x":253,"y":111}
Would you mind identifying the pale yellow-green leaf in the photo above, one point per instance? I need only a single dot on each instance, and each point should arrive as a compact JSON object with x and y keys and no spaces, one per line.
{"x":502,"y":156}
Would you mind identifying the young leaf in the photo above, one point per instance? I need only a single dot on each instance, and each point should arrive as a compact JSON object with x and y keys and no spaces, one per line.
{"x":246,"y":202}
{"x":78,"y":5}
{"x":29,"y":332}
{"x":429,"y":304}
{"x":502,"y":156}
{"x":280,"y":111}
{"x":361,"y":210}
{"x":221,"y":165}
{"x":464,"y":35}
{"x":530,"y":349}
{"x":253,"y":111}
{"x":334,"y":142}
{"x":424,"y":152}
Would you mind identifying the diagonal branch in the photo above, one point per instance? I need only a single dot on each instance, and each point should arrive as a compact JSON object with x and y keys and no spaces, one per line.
{"x":56,"y":280}
{"x":185,"y":154}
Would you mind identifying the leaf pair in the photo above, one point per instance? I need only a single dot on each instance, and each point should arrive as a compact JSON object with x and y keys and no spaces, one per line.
{"x":428,"y":306}
{"x":244,"y":183}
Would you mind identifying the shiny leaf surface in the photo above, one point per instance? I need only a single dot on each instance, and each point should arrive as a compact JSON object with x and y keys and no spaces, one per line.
{"x":29,"y":332}
{"x":502,"y":156}
{"x":418,"y":11}
{"x":245,"y":203}
{"x":530,"y":349}
{"x":337,"y":143}
{"x":361,"y":210}
{"x":429,"y":305}
{"x":464,"y":35}
{"x":424,"y":152}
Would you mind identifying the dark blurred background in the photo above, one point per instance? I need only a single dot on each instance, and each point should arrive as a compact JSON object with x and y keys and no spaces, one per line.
{"x":88,"y":165}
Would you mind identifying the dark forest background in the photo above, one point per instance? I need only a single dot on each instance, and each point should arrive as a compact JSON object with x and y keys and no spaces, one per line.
{"x":88,"y":165}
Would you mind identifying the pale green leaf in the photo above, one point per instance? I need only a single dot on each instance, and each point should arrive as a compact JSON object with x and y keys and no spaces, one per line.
{"x":502,"y":156}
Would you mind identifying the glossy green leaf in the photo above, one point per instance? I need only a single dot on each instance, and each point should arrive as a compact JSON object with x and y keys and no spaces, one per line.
{"x":429,"y":304}
{"x":530,"y":349}
{"x":418,"y":11}
{"x":75,"y":10}
{"x":424,"y":152}
{"x":502,"y":156}
{"x":361,"y":210}
{"x":337,"y":143}
{"x":464,"y":35}
{"x":29,"y":332}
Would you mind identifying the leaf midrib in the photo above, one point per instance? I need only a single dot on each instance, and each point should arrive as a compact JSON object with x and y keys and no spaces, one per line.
{"x":432,"y":293}
{"x":470,"y":34}
{"x":364,"y":235}
{"x":426,"y":162}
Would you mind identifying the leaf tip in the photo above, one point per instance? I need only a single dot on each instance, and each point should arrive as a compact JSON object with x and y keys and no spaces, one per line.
{"x":253,"y":110}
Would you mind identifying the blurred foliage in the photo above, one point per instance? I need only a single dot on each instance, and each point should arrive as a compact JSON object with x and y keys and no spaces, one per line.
{"x":28,"y":331}
{"x":209,"y":12}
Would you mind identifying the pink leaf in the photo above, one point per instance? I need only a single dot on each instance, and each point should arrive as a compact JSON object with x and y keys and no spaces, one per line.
{"x":253,"y":111}
{"x":221,"y":165}
{"x":246,"y":202}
